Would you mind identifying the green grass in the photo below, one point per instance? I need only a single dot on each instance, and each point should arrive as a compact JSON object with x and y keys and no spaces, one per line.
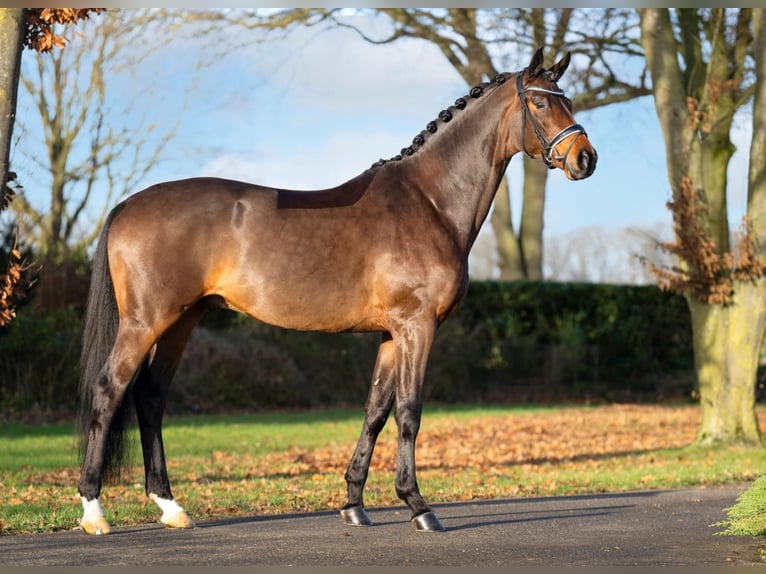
{"x":748,"y":515}
{"x":248,"y":465}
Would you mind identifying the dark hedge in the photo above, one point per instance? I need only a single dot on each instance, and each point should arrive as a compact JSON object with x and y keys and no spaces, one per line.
{"x":579,"y":341}
{"x":507,"y":342}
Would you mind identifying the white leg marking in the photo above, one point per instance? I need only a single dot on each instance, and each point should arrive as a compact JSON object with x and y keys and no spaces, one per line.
{"x":93,"y":520}
{"x":91,"y":508}
{"x":169,"y":507}
{"x":172,"y":513}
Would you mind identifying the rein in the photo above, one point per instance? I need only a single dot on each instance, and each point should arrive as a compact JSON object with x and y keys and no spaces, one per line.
{"x":549,"y":147}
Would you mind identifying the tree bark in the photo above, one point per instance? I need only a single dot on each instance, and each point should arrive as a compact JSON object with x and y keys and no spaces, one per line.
{"x":510,"y":261}
{"x":668,"y":90}
{"x":11,"y":42}
{"x":756,"y":196}
{"x":727,"y":341}
{"x":531,"y":228}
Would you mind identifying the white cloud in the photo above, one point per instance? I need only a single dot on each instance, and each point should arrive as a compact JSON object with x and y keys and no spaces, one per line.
{"x":338,"y":159}
{"x":337,"y":70}
{"x":353,"y":103}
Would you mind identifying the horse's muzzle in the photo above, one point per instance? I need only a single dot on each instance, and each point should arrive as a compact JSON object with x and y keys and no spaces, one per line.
{"x":584,"y":165}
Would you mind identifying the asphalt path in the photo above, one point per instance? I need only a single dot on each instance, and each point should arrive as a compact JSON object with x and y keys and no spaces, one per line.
{"x":648,"y":528}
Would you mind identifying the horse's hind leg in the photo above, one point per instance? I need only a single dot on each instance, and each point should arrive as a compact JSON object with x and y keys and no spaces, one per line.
{"x":379,"y":403}
{"x":129,"y":350}
{"x":150,"y":397}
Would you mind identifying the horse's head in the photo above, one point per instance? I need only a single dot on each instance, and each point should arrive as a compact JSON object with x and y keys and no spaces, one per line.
{"x":548,"y":129}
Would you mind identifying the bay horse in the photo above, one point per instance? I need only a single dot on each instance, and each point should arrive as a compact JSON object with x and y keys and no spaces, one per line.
{"x":386,"y":251}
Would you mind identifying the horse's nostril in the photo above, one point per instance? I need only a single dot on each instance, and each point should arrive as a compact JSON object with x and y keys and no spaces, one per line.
{"x":586,"y":161}
{"x":583,"y":160}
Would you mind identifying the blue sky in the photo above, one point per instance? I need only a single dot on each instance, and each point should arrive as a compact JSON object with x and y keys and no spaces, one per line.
{"x":313,"y":110}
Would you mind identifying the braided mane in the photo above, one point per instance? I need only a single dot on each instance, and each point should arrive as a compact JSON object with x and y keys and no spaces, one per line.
{"x":445,"y":116}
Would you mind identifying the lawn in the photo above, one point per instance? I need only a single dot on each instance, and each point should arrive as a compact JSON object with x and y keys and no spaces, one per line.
{"x":247,"y":465}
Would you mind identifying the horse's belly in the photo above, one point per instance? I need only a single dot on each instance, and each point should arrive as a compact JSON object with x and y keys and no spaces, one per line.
{"x":306,"y":308}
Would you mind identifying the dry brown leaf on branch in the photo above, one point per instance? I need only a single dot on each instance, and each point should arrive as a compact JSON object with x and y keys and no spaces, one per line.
{"x":13,"y":286}
{"x":40,"y":35}
{"x":706,"y":273}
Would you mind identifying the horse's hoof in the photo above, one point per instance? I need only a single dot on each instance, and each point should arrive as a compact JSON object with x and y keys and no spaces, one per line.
{"x":178,"y":520}
{"x":173,"y":516}
{"x":95,"y":525}
{"x":427,"y":522}
{"x":355,"y":516}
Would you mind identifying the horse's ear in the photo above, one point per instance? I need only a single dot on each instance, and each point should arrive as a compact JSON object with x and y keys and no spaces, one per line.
{"x":536,"y":63}
{"x":560,"y":67}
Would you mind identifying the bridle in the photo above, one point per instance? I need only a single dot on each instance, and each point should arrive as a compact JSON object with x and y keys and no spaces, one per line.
{"x":548,"y":146}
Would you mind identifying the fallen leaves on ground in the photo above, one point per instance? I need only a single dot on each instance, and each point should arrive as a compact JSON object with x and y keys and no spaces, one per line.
{"x":459,"y":457}
{"x":504,"y":439}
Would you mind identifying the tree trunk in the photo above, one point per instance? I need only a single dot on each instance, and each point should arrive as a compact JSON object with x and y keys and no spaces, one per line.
{"x":11,"y":38}
{"x":531,"y":229}
{"x":521,"y":257}
{"x":727,"y":336}
{"x":727,"y":341}
{"x":508,"y":247}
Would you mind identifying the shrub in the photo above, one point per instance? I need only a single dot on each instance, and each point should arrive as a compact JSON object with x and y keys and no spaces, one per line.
{"x":244,"y":364}
{"x":39,"y":363}
{"x":508,"y":342}
{"x":580,"y":341}
{"x":230,"y":371}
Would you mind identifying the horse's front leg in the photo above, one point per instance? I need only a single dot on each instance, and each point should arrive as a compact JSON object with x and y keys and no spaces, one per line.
{"x":379,"y":403}
{"x":412,"y":345}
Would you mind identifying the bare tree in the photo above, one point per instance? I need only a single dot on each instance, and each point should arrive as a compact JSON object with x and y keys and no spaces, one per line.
{"x":701,"y":63}
{"x":599,"y":255}
{"x":97,"y":147}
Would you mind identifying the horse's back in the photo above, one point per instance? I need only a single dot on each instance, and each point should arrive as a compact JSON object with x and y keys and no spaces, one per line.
{"x":194,"y":195}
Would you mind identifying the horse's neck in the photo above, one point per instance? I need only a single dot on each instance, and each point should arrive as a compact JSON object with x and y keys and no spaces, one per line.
{"x":460,"y":171}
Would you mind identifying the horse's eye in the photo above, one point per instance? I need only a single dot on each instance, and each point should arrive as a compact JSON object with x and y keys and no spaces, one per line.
{"x":540,"y":103}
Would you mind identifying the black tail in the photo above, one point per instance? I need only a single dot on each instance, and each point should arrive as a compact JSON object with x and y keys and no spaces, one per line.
{"x":100,"y":332}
